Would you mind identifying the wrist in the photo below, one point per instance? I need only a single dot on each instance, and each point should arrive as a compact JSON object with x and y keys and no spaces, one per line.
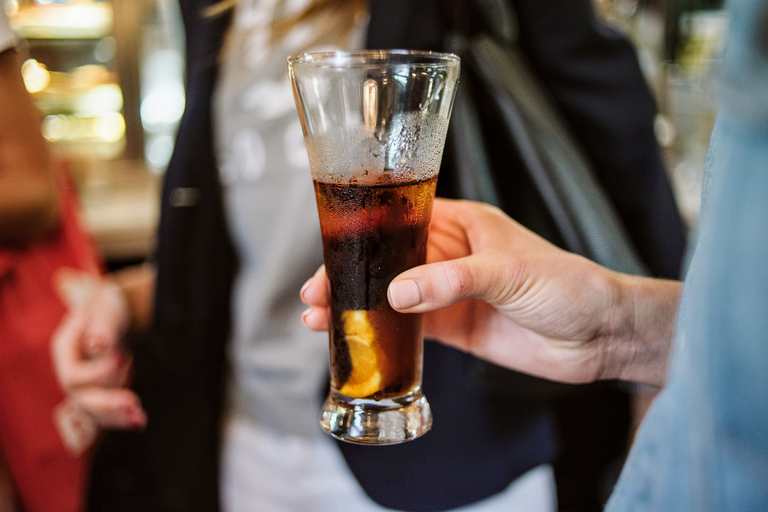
{"x":641,"y":328}
{"x":137,"y":287}
{"x":114,"y":295}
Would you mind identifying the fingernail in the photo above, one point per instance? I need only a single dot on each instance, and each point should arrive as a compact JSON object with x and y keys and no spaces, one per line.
{"x":304,"y":315}
{"x":404,"y":294}
{"x":304,"y":288}
{"x":137,"y":418}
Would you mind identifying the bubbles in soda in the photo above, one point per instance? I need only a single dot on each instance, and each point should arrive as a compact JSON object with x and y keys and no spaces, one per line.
{"x":372,"y":231}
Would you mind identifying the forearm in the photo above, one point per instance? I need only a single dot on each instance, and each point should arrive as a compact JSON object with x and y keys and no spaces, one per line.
{"x":643,"y":329}
{"x":137,"y":285}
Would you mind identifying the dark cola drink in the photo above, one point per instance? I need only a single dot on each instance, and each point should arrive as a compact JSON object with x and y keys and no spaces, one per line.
{"x":375,"y":124}
{"x":371,"y":233}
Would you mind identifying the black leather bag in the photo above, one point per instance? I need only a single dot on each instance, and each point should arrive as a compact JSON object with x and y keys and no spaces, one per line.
{"x":504,"y":128}
{"x":506,"y":135}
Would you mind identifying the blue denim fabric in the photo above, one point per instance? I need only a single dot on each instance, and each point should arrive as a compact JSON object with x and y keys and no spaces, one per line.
{"x":704,"y":444}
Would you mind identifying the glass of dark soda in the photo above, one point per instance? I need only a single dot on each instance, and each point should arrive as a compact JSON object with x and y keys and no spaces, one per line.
{"x":374,"y":124}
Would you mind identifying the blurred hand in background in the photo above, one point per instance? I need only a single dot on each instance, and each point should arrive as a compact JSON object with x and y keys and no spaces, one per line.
{"x":91,"y":362}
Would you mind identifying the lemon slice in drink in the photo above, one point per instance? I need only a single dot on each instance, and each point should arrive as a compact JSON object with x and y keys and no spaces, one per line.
{"x":365,"y":378}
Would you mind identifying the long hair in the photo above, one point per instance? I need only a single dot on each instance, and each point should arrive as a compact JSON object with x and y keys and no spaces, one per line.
{"x":343,"y":11}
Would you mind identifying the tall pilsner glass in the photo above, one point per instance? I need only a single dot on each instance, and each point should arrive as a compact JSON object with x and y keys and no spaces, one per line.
{"x":374,"y":125}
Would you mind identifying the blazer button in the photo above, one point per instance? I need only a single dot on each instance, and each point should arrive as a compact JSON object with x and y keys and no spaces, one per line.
{"x":184,"y":196}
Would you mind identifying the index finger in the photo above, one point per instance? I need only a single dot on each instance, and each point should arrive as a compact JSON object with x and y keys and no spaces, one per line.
{"x":315,"y":291}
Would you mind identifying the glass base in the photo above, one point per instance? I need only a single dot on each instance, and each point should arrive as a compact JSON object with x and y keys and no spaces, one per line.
{"x":373,"y":422}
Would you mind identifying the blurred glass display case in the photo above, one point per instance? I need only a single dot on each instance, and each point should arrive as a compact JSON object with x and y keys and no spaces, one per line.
{"x":107,"y":76}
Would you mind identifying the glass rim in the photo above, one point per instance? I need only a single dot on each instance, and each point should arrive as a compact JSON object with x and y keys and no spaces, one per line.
{"x":373,"y":58}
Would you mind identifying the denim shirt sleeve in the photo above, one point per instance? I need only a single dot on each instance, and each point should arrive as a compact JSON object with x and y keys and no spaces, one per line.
{"x":704,"y":444}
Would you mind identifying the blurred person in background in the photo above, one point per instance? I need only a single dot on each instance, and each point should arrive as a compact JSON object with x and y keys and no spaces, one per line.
{"x":238,"y":233}
{"x":48,"y":268}
{"x":29,"y":207}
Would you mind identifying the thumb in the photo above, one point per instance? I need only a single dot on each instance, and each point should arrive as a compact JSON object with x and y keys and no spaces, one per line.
{"x":438,"y":285}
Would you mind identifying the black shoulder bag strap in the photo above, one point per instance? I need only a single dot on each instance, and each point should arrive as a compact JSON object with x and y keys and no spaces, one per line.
{"x":507,"y":135}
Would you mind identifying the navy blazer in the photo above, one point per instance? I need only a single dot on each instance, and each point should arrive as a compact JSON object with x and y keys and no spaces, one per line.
{"x":481,"y":439}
